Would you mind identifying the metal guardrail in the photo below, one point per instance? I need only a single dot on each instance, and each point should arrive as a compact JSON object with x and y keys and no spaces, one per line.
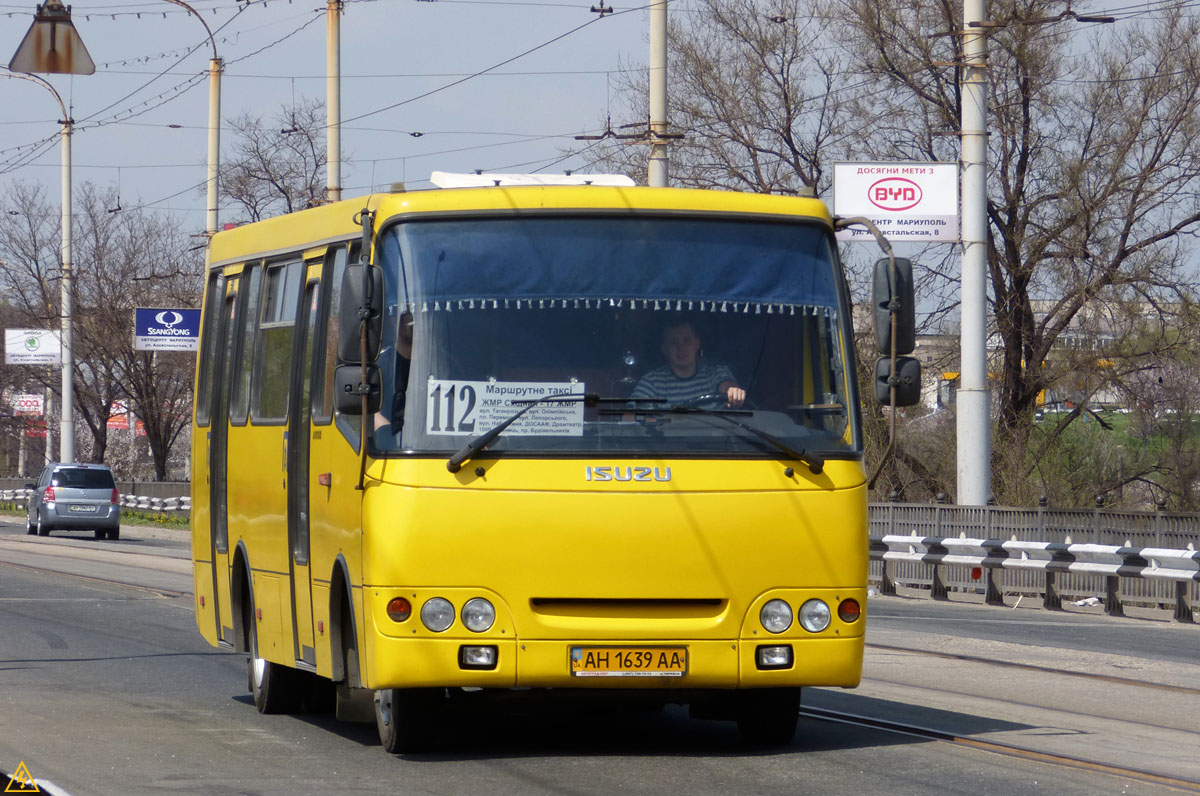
{"x":1179,"y":568}
{"x":137,"y":502}
{"x":1101,"y":526}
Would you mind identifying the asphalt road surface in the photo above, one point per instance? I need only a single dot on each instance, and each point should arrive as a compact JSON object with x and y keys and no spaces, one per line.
{"x":109,"y":689}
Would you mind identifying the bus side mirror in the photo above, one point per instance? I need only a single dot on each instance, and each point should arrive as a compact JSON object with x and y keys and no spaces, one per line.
{"x":900,"y":292}
{"x":360,"y":297}
{"x":346,"y":385}
{"x":907,"y":377}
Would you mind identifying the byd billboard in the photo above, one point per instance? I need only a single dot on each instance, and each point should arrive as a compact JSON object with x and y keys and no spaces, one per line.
{"x":907,"y":201}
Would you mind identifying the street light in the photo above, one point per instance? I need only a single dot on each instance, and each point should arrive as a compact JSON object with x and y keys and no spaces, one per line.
{"x":52,"y":45}
{"x":67,"y":419}
{"x":215,"y":67}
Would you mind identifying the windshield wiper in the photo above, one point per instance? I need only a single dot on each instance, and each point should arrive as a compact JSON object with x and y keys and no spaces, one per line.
{"x":455,"y":462}
{"x":815,"y":462}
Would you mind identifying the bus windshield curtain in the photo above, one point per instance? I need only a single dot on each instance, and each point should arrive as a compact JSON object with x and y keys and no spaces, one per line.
{"x":656,"y":261}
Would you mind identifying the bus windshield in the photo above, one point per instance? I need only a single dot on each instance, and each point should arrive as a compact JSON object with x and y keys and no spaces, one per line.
{"x":647,"y":313}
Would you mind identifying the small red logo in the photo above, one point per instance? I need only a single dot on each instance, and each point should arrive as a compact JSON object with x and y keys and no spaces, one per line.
{"x":894,"y":193}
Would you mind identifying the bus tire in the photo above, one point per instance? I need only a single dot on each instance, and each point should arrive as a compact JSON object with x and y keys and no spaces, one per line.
{"x":407,"y":718}
{"x":767,"y":716}
{"x":275,"y":687}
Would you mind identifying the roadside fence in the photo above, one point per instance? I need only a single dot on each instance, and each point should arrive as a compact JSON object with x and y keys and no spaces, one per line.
{"x":157,"y":505}
{"x":1114,"y":558}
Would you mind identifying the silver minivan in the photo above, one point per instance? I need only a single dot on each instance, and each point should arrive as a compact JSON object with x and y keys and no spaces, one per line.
{"x":72,"y":497}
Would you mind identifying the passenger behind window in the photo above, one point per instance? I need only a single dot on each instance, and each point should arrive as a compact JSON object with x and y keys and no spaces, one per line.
{"x":389,"y":424}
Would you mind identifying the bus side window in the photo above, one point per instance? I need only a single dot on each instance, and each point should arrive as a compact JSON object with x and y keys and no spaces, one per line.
{"x":326,"y":344}
{"x":273,"y":354}
{"x":243,"y":361}
{"x":212,"y":309}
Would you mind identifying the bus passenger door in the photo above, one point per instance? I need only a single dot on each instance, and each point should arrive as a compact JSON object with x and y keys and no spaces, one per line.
{"x":219,"y":462}
{"x":298,"y":431}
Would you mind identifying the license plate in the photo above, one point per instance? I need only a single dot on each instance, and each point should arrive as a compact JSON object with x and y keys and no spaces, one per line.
{"x":81,"y":509}
{"x":628,"y":661}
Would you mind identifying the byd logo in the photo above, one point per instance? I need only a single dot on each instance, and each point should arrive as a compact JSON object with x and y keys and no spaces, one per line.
{"x":894,"y":193}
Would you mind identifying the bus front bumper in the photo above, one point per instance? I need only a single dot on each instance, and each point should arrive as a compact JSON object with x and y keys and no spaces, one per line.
{"x":719,"y":664}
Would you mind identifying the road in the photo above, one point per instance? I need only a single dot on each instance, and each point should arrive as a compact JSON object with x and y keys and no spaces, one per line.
{"x":109,"y":689}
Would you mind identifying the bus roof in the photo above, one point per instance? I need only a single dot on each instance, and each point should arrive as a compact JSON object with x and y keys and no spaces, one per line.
{"x":318,"y":226}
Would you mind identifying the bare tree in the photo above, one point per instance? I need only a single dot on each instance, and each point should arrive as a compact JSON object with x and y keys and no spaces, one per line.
{"x":122,"y":259}
{"x":1094,"y":174}
{"x":1094,"y":179}
{"x":277,"y":165}
{"x":753,"y":93}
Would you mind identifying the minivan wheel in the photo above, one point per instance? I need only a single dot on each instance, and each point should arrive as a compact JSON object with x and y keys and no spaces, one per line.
{"x":42,"y":528}
{"x":114,"y":534}
{"x":101,"y":533}
{"x":29,"y":527}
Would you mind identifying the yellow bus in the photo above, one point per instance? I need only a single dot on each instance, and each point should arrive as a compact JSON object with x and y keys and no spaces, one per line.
{"x":454,"y":443}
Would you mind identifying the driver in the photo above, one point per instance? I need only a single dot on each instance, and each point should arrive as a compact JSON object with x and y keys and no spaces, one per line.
{"x":684,"y":377}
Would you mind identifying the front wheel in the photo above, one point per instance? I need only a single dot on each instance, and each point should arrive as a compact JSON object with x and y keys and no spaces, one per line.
{"x":767,"y":717}
{"x":407,"y":718}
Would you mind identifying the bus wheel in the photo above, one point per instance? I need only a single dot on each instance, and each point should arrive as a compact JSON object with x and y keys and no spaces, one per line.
{"x":274,"y":687}
{"x":767,"y":717}
{"x":407,"y":718}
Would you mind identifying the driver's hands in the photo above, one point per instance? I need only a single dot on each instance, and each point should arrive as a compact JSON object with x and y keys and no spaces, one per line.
{"x":735,"y":397}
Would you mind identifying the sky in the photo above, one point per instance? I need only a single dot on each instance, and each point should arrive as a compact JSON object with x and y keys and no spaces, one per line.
{"x":408,"y":67}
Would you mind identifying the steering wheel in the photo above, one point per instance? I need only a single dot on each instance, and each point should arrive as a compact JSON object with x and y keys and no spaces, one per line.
{"x":712,"y":398}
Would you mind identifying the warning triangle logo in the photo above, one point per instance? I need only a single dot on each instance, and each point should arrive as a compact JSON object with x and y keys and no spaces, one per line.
{"x":22,"y":781}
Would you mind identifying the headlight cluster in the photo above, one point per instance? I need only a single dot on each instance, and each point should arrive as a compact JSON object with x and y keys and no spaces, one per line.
{"x":814,"y":615}
{"x":438,"y":614}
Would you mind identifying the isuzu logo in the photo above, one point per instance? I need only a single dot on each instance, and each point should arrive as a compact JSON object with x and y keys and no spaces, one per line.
{"x":606,"y":473}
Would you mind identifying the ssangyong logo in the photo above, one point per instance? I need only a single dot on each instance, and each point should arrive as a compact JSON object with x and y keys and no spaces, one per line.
{"x":618,"y":473}
{"x":168,"y":318}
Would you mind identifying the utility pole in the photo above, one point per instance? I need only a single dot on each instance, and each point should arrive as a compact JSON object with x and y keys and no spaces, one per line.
{"x":974,"y":399}
{"x":657,"y":175}
{"x":333,"y":100}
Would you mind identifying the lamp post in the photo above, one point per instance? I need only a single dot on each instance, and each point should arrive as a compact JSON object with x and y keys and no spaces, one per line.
{"x":52,"y":45}
{"x":67,"y":418}
{"x":215,"y":67}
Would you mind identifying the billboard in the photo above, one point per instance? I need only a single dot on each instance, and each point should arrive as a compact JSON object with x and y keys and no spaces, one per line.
{"x":906,"y":201}
{"x":118,"y":415}
{"x":157,"y":329}
{"x":32,"y":347}
{"x":27,"y":404}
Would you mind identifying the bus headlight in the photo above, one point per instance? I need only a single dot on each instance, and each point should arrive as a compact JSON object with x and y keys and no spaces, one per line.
{"x":776,"y":616}
{"x":437,"y":614}
{"x":478,"y":614}
{"x":814,"y":616}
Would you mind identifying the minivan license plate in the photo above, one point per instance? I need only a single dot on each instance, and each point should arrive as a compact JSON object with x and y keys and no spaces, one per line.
{"x":628,"y":661}
{"x":81,"y":509}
